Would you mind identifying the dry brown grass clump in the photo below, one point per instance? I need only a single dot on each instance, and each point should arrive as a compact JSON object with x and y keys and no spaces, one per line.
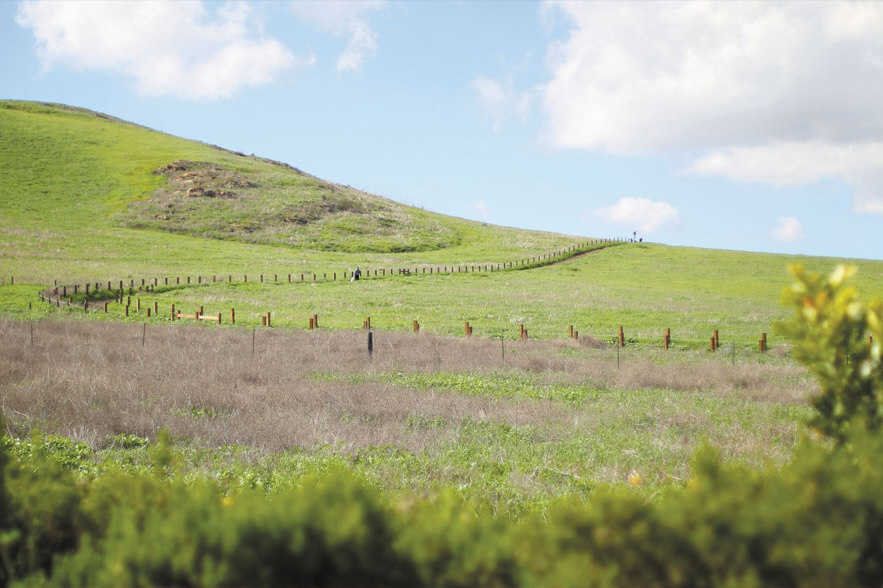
{"x":91,"y":381}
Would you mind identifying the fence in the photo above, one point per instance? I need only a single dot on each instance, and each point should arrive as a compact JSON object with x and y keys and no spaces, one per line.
{"x":116,"y":288}
{"x":619,"y":339}
{"x":64,"y":295}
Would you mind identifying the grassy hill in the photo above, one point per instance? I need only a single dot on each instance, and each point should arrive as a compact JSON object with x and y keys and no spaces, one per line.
{"x":87,"y":197}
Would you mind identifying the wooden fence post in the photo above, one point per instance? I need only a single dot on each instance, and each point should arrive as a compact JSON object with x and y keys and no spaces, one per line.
{"x":312,"y":326}
{"x":666,"y":340}
{"x":466,"y":328}
{"x":263,"y":320}
{"x":570,"y":331}
{"x":621,"y":337}
{"x":269,"y":324}
{"x":416,"y":327}
{"x":712,"y":347}
{"x":173,"y":313}
{"x":717,"y":341}
{"x":232,"y":316}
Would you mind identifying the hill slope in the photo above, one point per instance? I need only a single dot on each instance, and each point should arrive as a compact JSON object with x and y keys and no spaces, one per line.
{"x":86,"y":197}
{"x":87,"y":169}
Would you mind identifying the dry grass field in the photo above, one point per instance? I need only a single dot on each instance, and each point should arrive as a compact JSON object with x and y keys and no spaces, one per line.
{"x":512,"y":420}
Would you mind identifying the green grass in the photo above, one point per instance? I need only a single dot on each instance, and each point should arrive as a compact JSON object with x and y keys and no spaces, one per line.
{"x":644,"y":288}
{"x":76,"y":182}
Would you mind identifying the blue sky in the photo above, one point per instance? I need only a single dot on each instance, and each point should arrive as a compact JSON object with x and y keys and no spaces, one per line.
{"x":751,"y":126}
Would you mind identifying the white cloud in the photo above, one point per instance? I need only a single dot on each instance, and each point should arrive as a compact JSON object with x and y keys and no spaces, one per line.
{"x":788,"y":230}
{"x":793,"y":164}
{"x":501,"y":101}
{"x":760,"y":90}
{"x":343,"y":18}
{"x":167,"y":48}
{"x":642,"y":213}
{"x":482,"y":209}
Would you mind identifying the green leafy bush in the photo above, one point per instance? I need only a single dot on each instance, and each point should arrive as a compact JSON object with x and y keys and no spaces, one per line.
{"x":831,"y":329}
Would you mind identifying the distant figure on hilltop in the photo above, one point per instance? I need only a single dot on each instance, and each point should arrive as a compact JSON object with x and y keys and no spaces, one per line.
{"x":357,"y":274}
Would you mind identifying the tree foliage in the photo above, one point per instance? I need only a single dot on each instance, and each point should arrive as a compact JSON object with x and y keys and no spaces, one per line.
{"x":837,"y":337}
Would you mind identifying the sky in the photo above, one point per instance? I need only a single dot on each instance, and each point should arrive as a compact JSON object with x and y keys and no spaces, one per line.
{"x":752,"y":126}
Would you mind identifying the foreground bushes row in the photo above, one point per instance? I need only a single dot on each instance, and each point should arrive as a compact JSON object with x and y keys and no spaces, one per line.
{"x":819,"y":521}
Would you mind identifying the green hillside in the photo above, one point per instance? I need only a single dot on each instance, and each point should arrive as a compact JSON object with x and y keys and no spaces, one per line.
{"x":136,"y":445}
{"x":89,"y":198}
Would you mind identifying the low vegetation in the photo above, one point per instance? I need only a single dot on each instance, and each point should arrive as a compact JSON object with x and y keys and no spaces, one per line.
{"x":518,"y":423}
{"x":814,"y":520}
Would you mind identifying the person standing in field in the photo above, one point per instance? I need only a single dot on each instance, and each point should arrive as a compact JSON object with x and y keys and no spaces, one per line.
{"x":357,"y":274}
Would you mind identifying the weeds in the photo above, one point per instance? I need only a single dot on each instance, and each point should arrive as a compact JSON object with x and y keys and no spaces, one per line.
{"x":424,"y":410}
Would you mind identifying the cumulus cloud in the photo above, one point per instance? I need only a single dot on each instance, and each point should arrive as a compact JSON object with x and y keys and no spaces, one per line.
{"x":179,"y":49}
{"x":788,"y":230}
{"x":642,"y":213}
{"x":343,"y":18}
{"x":501,"y":101}
{"x":762,"y":91}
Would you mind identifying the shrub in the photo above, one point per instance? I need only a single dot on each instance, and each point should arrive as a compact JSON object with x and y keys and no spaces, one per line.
{"x":830,"y":330}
